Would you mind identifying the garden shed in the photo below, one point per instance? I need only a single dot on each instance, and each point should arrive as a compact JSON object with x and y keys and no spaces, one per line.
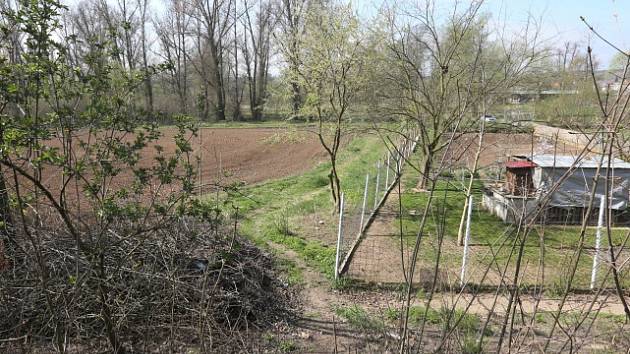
{"x":566,"y":182}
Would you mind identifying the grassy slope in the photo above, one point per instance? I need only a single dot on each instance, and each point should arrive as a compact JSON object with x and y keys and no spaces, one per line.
{"x":274,"y":211}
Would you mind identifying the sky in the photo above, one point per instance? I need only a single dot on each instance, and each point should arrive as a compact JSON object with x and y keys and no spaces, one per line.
{"x":560,"y":20}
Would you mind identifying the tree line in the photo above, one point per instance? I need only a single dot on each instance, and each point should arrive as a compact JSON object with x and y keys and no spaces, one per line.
{"x":218,"y":60}
{"x":244,"y":59}
{"x":91,"y":225}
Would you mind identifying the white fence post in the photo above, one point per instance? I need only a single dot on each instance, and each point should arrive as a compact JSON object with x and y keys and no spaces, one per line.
{"x":387,"y":172}
{"x":378,"y":176}
{"x":339,"y":236}
{"x":466,"y":240}
{"x":403,"y":147}
{"x":598,"y":239}
{"x":365,"y":193}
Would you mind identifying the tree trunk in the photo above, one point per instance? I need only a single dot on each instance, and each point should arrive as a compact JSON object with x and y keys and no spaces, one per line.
{"x":219,"y":88}
{"x":219,"y":106}
{"x":296,"y":99}
{"x":205,"y":104}
{"x":5,"y":215}
{"x":460,"y":233}
{"x":148,"y":85}
{"x":6,"y":247}
{"x":427,"y":163}
{"x":335,"y":183}
{"x":236,"y":114}
{"x":257,"y":113}
{"x":5,"y":210}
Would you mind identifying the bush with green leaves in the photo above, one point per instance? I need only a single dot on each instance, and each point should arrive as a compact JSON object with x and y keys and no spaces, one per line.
{"x":93,"y":200}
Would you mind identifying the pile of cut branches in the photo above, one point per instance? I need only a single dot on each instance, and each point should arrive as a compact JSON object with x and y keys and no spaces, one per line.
{"x":177,"y":284}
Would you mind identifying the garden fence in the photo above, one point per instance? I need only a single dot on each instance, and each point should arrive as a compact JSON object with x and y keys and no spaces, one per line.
{"x":356,"y":217}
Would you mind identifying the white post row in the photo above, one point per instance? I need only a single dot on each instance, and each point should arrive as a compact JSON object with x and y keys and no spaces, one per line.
{"x":598,"y":239}
{"x":339,"y":236}
{"x":387,"y":173}
{"x":462,"y":281}
{"x":378,"y":176}
{"x":403,"y":148}
{"x":365,"y":194}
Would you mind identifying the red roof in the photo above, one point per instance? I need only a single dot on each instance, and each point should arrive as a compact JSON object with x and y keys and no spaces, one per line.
{"x":520,"y":164}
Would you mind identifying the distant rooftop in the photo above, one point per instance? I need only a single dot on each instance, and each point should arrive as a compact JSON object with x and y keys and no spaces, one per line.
{"x":520,"y":164}
{"x":563,"y":161}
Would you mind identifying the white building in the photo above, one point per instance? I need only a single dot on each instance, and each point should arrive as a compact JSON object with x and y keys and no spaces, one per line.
{"x":563,"y":185}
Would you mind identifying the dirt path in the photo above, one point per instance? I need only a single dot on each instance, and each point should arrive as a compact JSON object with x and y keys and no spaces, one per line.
{"x":377,"y":258}
{"x":482,"y":303}
{"x":319,"y":329}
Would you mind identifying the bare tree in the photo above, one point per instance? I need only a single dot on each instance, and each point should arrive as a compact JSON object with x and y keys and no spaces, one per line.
{"x":292,"y":16}
{"x":89,"y":29}
{"x":213,"y":22}
{"x":129,"y":23}
{"x":332,"y":74}
{"x":237,"y":96}
{"x":148,"y":84}
{"x":436,"y":71}
{"x":172,"y":31}
{"x":256,"y":53}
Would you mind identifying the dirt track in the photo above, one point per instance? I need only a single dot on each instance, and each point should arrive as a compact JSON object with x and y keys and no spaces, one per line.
{"x":497,"y":147}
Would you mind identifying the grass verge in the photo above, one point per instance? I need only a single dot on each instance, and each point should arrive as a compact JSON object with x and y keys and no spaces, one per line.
{"x":275,"y":211}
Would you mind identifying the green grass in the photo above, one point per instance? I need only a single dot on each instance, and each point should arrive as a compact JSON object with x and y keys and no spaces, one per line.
{"x":290,"y":269}
{"x":442,"y":317}
{"x":358,"y":318}
{"x":274,"y":211}
{"x":572,"y":318}
{"x":281,"y":345}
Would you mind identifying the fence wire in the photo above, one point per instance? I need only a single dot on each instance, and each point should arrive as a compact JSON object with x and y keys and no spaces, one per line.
{"x":358,"y":213}
{"x":385,"y":252}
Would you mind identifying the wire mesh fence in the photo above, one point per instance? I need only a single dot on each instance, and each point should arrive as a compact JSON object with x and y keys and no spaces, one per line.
{"x":356,"y":215}
{"x":488,"y":257}
{"x":557,"y":251}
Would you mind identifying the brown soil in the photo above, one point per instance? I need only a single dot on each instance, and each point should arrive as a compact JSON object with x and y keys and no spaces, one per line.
{"x":497,"y":147}
{"x":254,"y":155}
{"x":226,"y":155}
